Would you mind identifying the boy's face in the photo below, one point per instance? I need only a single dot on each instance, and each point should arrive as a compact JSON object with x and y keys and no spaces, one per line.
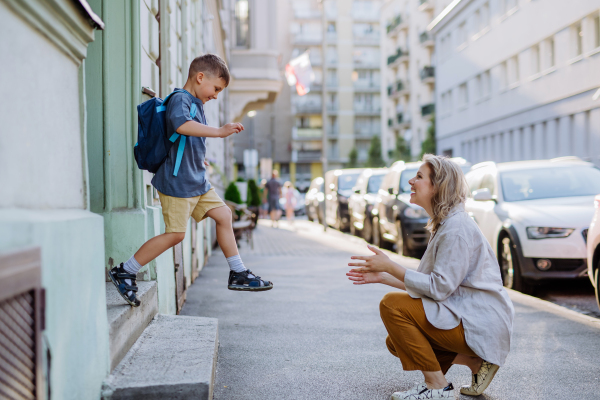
{"x":209,"y":87}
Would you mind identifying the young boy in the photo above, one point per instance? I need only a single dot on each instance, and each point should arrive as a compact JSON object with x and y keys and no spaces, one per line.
{"x":181,"y":182}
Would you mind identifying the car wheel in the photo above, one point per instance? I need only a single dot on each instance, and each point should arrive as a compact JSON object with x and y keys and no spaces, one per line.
{"x":510,"y":268}
{"x":367,"y":231}
{"x":376,"y":233}
{"x":401,"y":245}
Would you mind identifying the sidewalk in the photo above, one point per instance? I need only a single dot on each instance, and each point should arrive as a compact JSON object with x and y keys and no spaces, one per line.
{"x":316,"y":336}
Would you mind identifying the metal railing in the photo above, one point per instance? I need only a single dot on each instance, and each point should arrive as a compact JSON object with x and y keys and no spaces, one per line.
{"x":427,"y":72}
{"x":427,"y":109}
{"x":399,"y":53}
{"x":394,"y":23}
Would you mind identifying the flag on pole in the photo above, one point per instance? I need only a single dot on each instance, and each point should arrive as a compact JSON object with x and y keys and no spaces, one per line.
{"x":299,"y":73}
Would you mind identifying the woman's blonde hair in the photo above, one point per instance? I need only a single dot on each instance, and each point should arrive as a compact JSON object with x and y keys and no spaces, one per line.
{"x":449,"y":187}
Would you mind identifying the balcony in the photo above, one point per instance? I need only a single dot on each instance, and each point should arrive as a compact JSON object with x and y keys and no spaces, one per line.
{"x":362,"y":109}
{"x":428,"y":74}
{"x":366,"y":62}
{"x":426,"y":39}
{"x":307,"y":133}
{"x":308,"y":156}
{"x":333,"y":131}
{"x":331,"y":37}
{"x":307,"y":14}
{"x":366,"y":132}
{"x":332,"y":108}
{"x":312,"y":107}
{"x":371,"y":39}
{"x":394,"y":23}
{"x":256,"y":80}
{"x":398,"y":88}
{"x":427,"y":109}
{"x":395,"y":59}
{"x":308,"y":39}
{"x":366,"y":86}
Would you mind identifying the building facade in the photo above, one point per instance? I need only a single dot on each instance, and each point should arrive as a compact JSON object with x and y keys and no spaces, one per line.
{"x":518,"y":79}
{"x":408,"y":86}
{"x":74,"y":202}
{"x":342,"y":111}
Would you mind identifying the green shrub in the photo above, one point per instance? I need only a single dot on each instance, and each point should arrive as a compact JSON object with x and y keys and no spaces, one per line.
{"x":240,"y":179}
{"x":233,"y":194}
{"x":253,"y":194}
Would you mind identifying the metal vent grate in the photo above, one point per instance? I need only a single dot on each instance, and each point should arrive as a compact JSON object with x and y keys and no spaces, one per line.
{"x":17,"y":347}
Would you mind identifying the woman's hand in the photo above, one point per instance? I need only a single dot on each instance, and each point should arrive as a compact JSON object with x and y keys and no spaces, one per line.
{"x":362,"y":278}
{"x":377,"y":263}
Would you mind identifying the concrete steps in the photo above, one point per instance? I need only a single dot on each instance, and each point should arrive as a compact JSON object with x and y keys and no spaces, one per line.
{"x":127,"y":323}
{"x":175,"y":358}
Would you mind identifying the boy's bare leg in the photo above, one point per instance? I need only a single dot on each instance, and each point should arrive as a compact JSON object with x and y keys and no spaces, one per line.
{"x":157,"y":245}
{"x":225,"y":236}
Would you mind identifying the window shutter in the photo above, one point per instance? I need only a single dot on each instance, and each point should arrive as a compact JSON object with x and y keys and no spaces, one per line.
{"x":21,"y":325}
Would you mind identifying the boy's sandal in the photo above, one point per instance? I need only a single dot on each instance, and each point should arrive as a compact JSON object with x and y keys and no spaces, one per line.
{"x":481,"y":380}
{"x":117,"y":276}
{"x":247,"y":281}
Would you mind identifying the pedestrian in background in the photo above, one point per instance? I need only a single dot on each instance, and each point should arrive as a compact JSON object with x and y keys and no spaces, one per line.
{"x":455,"y":309}
{"x":290,"y":201}
{"x":264,"y":204}
{"x":274,"y":194}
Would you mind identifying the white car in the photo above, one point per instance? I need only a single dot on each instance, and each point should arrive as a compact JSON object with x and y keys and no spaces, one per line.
{"x":536,"y":215}
{"x":593,"y":250}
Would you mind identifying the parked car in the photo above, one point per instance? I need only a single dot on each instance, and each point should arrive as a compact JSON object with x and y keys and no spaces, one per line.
{"x":462,"y":163}
{"x":314,"y":202}
{"x":361,"y":202}
{"x":593,"y":250}
{"x":396,"y":222}
{"x":535,"y":215}
{"x":338,"y":189}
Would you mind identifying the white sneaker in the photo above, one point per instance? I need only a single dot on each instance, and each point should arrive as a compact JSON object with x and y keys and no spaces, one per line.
{"x":422,"y":393}
{"x":481,"y":380}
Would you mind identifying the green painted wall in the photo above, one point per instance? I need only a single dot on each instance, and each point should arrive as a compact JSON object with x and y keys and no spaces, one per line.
{"x":72,"y":244}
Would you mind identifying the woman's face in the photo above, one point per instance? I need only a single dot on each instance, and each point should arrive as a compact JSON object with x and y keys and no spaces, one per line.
{"x":422,"y":188}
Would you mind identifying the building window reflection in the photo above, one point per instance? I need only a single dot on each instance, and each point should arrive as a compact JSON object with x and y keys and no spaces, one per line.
{"x":241,"y":23}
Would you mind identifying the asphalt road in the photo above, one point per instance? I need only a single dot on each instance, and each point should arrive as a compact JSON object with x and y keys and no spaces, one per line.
{"x":316,"y":336}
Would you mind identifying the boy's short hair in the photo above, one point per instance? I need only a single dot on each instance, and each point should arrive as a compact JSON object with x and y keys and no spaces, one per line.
{"x":210,"y":64}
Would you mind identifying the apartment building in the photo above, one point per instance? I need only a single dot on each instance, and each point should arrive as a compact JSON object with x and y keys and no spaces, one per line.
{"x":408,"y":85}
{"x":342,"y":38}
{"x":518,"y":79}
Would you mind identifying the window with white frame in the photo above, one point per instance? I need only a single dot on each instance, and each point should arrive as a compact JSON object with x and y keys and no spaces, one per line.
{"x":535,"y":60}
{"x":503,"y":72}
{"x":486,"y":84}
{"x":462,"y":34}
{"x":241,"y":23}
{"x":463,"y":95}
{"x":596,"y":30}
{"x":548,"y":56}
{"x":478,"y":88}
{"x":513,"y":71}
{"x":577,"y":39}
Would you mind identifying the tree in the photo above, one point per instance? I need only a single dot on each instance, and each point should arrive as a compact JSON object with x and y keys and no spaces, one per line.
{"x":402,"y":150}
{"x":428,"y":145}
{"x":253,"y":194}
{"x":233,"y":194}
{"x":352,"y":159}
{"x":375,"y":159}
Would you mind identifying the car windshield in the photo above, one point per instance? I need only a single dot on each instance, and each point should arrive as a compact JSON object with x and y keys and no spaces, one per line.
{"x":374,"y":183}
{"x":547,"y":183}
{"x":406,"y":176}
{"x":347,"y":181}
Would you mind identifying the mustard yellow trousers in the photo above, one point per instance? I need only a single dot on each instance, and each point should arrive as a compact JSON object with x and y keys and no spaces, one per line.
{"x":418,"y":344}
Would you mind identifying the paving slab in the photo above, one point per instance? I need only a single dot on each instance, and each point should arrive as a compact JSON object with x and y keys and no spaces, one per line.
{"x":317,"y":336}
{"x":174,"y":358}
{"x":126,"y":323}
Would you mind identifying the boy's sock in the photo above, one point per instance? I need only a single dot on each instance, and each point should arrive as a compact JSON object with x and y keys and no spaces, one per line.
{"x":236,"y":264}
{"x":132,"y":267}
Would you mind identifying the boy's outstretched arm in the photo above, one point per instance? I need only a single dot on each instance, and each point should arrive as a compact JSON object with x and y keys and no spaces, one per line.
{"x":193,"y":128}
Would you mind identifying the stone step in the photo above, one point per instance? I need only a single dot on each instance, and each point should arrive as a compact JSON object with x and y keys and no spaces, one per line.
{"x":127,"y":323}
{"x":175,"y":358}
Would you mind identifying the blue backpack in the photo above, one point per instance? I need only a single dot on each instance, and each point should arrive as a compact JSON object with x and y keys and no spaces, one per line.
{"x":153,"y":146}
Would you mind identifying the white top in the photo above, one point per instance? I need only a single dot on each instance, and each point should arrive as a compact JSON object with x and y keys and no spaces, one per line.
{"x":459,"y":279}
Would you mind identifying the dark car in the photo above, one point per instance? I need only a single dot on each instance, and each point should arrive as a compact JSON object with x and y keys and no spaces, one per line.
{"x":362,"y":201}
{"x":396,"y":222}
{"x":338,"y":189}
{"x":314,"y":201}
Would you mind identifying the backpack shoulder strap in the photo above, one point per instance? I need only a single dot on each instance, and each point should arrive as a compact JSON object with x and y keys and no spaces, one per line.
{"x":163,"y":106}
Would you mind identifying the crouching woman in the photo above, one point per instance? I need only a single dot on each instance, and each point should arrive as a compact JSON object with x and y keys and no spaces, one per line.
{"x":455,"y":309}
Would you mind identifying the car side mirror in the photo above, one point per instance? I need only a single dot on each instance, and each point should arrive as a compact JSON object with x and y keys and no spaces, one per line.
{"x":357,"y":191}
{"x":391,"y":190}
{"x":482,"y":195}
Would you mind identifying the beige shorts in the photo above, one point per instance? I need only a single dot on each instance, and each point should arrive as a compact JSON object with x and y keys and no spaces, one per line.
{"x":178,"y":210}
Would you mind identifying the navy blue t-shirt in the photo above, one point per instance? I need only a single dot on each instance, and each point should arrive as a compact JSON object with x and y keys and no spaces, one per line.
{"x":191,"y":177}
